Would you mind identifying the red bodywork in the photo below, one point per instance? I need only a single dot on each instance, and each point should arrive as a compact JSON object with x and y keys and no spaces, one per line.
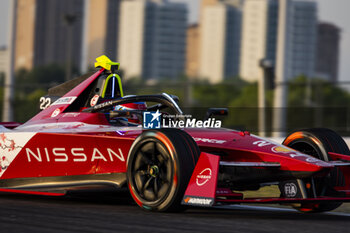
{"x":61,"y":149}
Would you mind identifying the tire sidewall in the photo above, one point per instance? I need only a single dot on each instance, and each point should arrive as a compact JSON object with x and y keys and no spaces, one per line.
{"x":312,"y":141}
{"x":164,"y":203}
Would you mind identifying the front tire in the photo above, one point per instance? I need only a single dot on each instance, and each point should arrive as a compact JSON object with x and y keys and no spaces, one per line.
{"x":317,"y":143}
{"x":159,"y":167}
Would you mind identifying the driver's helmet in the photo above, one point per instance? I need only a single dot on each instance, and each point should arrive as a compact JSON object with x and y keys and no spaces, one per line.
{"x":132,"y":120}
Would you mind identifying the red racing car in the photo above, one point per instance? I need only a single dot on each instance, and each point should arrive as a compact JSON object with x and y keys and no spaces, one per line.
{"x":93,"y":136}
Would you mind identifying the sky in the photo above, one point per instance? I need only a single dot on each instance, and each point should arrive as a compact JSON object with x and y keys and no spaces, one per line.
{"x":332,"y":11}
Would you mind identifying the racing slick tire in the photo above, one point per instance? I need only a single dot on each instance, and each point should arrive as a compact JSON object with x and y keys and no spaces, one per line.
{"x":159,"y":167}
{"x":318,"y":142}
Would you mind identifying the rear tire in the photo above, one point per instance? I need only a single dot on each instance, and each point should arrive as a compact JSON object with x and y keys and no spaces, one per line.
{"x":159,"y":167}
{"x":317,"y":143}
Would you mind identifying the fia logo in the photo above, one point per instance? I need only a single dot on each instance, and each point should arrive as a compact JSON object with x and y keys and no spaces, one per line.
{"x":151,"y":120}
{"x":290,"y":190}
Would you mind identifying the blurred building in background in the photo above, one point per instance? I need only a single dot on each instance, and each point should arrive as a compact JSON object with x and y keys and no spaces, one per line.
{"x":213,"y":46}
{"x":152,"y":39}
{"x":101,"y":27}
{"x":302,"y":33}
{"x":42,"y":35}
{"x":327,"y":52}
{"x":3,"y":59}
{"x":220,"y":37}
{"x":259,"y":37}
{"x":192,"y":50}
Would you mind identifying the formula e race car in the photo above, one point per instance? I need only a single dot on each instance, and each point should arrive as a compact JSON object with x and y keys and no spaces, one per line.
{"x":95,"y":137}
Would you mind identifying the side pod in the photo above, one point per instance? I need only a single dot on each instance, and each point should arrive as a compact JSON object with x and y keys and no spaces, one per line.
{"x":201,"y":189}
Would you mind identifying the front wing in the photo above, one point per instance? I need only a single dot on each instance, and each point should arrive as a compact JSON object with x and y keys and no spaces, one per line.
{"x":203,"y":189}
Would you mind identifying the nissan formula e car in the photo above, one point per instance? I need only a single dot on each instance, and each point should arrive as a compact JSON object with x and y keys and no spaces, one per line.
{"x":90,"y":138}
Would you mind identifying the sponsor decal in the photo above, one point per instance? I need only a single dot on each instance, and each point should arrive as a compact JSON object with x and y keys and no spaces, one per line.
{"x":102,"y":105}
{"x":312,"y":160}
{"x":261,"y":143}
{"x":289,"y":152}
{"x":201,"y":201}
{"x":71,"y":114}
{"x":56,"y":112}
{"x":209,"y":140}
{"x":290,"y":190}
{"x":64,"y":100}
{"x":61,"y":154}
{"x":203,"y":177}
{"x":282,"y":149}
{"x":151,"y":120}
{"x":94,"y":100}
{"x":223,"y":191}
{"x":307,"y":157}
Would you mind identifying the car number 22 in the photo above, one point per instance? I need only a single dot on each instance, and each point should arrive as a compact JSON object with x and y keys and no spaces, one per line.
{"x":45,"y":102}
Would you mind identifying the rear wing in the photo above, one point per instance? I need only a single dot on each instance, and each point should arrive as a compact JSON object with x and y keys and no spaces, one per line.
{"x":60,"y":90}
{"x":109,"y":84}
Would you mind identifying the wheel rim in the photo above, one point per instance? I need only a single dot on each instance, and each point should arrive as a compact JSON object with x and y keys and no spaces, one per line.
{"x":306,"y":148}
{"x":152,"y":172}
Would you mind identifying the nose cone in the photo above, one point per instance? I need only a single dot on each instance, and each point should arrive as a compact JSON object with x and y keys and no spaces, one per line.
{"x":243,"y":146}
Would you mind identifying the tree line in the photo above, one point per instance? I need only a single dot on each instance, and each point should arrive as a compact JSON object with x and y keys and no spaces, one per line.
{"x":311,"y":103}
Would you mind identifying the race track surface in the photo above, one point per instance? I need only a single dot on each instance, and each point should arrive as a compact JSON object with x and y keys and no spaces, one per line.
{"x":117,"y":213}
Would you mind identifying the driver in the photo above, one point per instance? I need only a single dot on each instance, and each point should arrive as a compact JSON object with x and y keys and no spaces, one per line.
{"x":134,"y":119}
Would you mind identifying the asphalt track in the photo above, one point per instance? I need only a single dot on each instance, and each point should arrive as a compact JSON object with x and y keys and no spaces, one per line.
{"x":117,"y":213}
